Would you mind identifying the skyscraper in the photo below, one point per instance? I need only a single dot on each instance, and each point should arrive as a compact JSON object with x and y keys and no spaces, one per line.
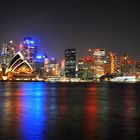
{"x":137,"y":66}
{"x":70,"y":62}
{"x":125,"y":64}
{"x":8,"y":51}
{"x":85,"y":67}
{"x":111,"y":63}
{"x":30,"y":50}
{"x":53,"y":67}
{"x":99,"y":58}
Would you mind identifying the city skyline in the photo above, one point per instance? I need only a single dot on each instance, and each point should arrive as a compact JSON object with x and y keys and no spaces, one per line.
{"x":89,"y":51}
{"x":113,"y":26}
{"x":24,"y":63}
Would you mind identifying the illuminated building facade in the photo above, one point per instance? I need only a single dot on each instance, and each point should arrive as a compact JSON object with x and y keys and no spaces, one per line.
{"x":86,"y":67}
{"x":39,"y":63}
{"x":30,"y":50}
{"x":137,"y":66}
{"x":99,"y":59}
{"x":90,"y":52}
{"x":53,"y":67}
{"x":81,"y":68}
{"x":70,"y":62}
{"x":8,"y":51}
{"x":62,"y":65}
{"x":111,"y":63}
{"x":1,"y":73}
{"x":46,"y":64}
{"x":125,"y":65}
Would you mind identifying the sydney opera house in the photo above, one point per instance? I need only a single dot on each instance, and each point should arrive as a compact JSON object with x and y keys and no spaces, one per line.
{"x":18,"y":67}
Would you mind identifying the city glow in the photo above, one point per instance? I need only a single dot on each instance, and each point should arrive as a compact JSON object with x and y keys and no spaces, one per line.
{"x":97,"y":65}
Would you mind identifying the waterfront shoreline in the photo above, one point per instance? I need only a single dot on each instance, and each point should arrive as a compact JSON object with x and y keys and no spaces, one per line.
{"x":11,"y":81}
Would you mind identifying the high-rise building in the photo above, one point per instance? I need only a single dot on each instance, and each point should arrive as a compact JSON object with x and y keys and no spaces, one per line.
{"x":99,"y":59}
{"x":53,"y":67}
{"x":81,"y":68}
{"x":1,"y":73}
{"x":125,"y":64}
{"x":39,"y":62}
{"x":8,"y":51}
{"x":21,"y":48}
{"x":70,"y":62}
{"x":46,"y":64}
{"x":137,"y":66}
{"x":88,"y":68}
{"x":62,"y":67}
{"x":30,"y":50}
{"x":111,"y":63}
{"x":90,"y":52}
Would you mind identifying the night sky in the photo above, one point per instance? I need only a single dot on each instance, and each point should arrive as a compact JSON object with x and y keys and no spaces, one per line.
{"x":56,"y":25}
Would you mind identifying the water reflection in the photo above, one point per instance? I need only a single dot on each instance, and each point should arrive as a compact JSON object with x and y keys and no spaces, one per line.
{"x":91,"y":110}
{"x":63,"y":113}
{"x":103,"y":111}
{"x":130,"y":113}
{"x":33,"y":116}
{"x":38,"y":110}
{"x":9,"y":114}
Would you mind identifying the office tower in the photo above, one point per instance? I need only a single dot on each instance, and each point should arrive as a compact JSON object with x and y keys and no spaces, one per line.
{"x":81,"y":68}
{"x":39,"y":63}
{"x":62,"y":69}
{"x":125,"y":65}
{"x":137,"y":67}
{"x":85,"y":66}
{"x":90,"y":52}
{"x":1,"y":73}
{"x":88,"y":68}
{"x":8,"y":51}
{"x":111,"y":63}
{"x":21,"y":48}
{"x":30,"y":50}
{"x":53,"y":67}
{"x":99,"y":59}
{"x":46,"y":64}
{"x":70,"y":62}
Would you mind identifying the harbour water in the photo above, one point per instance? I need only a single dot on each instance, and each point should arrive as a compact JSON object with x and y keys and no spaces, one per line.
{"x":69,"y":111}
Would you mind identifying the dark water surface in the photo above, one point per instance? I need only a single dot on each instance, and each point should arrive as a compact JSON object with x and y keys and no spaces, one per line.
{"x":67,"y":111}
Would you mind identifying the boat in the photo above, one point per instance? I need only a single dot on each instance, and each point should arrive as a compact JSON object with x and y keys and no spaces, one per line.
{"x":124,"y":79}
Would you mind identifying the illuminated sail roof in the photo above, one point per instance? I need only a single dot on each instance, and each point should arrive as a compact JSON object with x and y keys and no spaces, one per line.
{"x":15,"y":58}
{"x":23,"y":67}
{"x":19,"y":65}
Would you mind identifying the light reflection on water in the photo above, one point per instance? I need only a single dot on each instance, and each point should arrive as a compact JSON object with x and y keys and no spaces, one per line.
{"x":39,"y":110}
{"x":130,"y":113}
{"x":33,"y":116}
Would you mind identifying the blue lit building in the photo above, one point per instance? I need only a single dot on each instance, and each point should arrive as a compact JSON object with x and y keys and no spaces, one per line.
{"x":39,"y":63}
{"x":30,"y":50}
